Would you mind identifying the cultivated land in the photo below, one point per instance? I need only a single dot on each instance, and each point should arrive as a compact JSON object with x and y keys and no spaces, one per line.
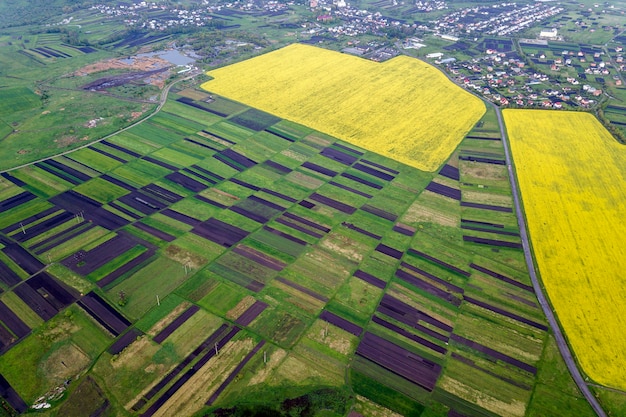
{"x":404,"y":108}
{"x":574,"y":201}
{"x":232,"y":216}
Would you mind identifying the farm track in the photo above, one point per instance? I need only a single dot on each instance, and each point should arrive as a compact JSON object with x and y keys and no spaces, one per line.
{"x":543,"y":301}
{"x":162,"y":102}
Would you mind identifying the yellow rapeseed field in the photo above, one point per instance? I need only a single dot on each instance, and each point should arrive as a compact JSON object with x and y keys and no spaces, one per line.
{"x":572,"y":175}
{"x":404,"y":108}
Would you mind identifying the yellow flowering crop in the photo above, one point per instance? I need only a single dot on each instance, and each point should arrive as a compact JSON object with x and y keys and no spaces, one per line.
{"x":572,"y":176}
{"x":404,"y":108}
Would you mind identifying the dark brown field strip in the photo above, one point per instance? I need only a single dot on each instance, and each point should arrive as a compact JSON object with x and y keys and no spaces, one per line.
{"x":219,"y":232}
{"x":362,"y":231}
{"x":521,"y":300}
{"x":444,"y":190}
{"x":451,"y":172}
{"x":183,"y":218}
{"x":361,"y":181}
{"x":373,"y":172}
{"x":69,"y":170}
{"x":370,"y":279}
{"x":487,"y":230}
{"x":406,"y":314}
{"x":205,"y":171}
{"x":201,"y":176}
{"x":43,"y":227}
{"x":211,"y":202}
{"x":379,"y":212}
{"x":238,"y":158}
{"x":279,"y":195}
{"x":399,"y":330}
{"x":352,"y":190}
{"x":479,"y":223}
{"x":428,"y":287}
{"x":44,"y":295}
{"x":318,"y":168}
{"x":389,"y":251}
{"x":259,"y":218}
{"x":11,"y":396}
{"x":266,"y":203}
{"x":277,"y":167}
{"x":260,"y":258}
{"x":506,"y":313}
{"x":142,"y":202}
{"x":280,"y":135}
{"x":451,"y":287}
{"x":162,"y":193}
{"x":58,"y":174}
{"x":298,"y":228}
{"x":494,"y":353}
{"x":379,"y":166}
{"x":175,"y":324}
{"x":85,"y":262}
{"x":154,"y":231}
{"x":472,"y":364}
{"x":492,"y":242}
{"x":191,"y":372}
{"x":128,"y":266}
{"x":482,"y":160}
{"x":403,"y":229}
{"x":16,"y":200}
{"x":13,"y":322}
{"x":228,"y":162}
{"x":439,"y":262}
{"x":25,"y":222}
{"x":104,"y":314}
{"x":186,"y":182}
{"x":302,"y":289}
{"x":285,"y":235}
{"x":121,"y":148}
{"x":481,"y":138}
{"x":122,"y":342}
{"x":8,"y":276}
{"x":11,"y":178}
{"x":342,"y":323}
{"x":90,"y":209}
{"x":306,"y":204}
{"x":346,"y":148}
{"x":235,"y":372}
{"x":124,"y":210}
{"x":251,"y":313}
{"x":400,"y":361}
{"x":331,"y":202}
{"x":191,"y":103}
{"x":244,"y":184}
{"x":107,"y":154}
{"x":6,"y":339}
{"x":208,"y":343}
{"x":219,"y":137}
{"x":306,"y":222}
{"x":23,"y":258}
{"x":502,"y":277}
{"x":337,"y":155}
{"x":203,"y":145}
{"x":61,"y":237}
{"x":487,"y":207}
{"x":118,"y":182}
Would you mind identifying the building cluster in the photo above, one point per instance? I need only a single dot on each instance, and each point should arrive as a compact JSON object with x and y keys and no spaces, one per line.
{"x":499,"y":19}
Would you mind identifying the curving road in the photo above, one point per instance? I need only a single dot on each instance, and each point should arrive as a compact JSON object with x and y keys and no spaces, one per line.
{"x":545,"y":305}
{"x":162,"y":101}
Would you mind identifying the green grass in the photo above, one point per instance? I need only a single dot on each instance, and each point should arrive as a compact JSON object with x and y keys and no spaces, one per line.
{"x":101,"y":190}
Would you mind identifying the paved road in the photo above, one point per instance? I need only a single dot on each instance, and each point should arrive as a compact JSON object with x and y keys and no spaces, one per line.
{"x":162,"y":101}
{"x":547,"y":309}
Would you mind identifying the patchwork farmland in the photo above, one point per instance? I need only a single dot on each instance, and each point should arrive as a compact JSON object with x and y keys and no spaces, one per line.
{"x":219,"y":255}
